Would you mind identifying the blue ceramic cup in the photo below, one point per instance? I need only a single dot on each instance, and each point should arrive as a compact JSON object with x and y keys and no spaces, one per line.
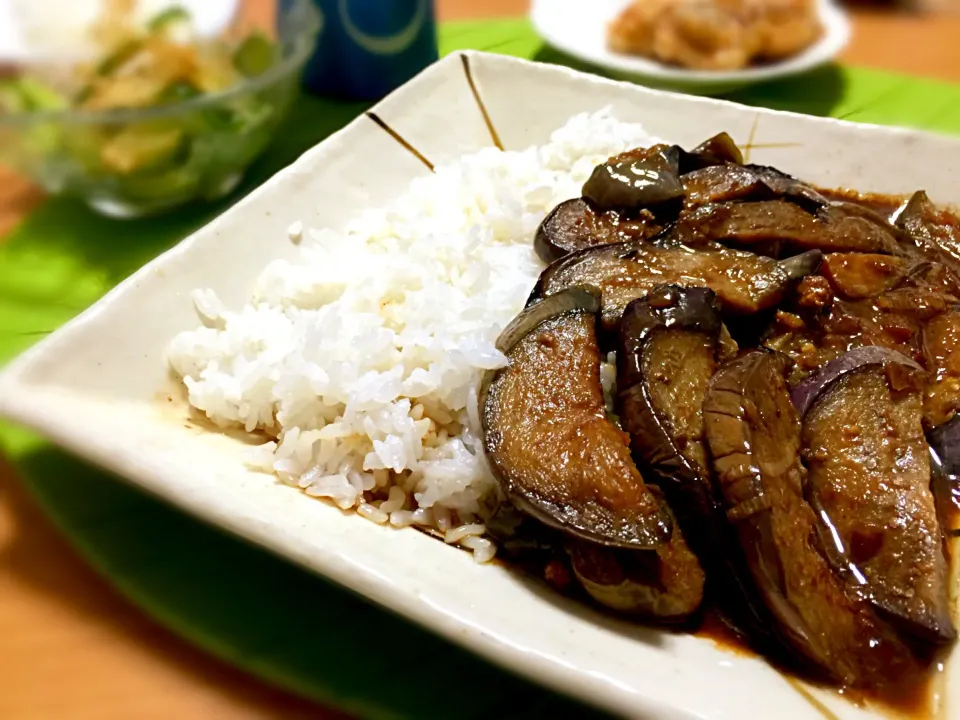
{"x":367,"y":48}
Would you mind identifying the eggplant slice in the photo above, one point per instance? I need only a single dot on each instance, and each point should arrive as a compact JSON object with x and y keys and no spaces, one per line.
{"x":665,"y":358}
{"x":864,"y":275}
{"x":724,"y":183}
{"x":753,"y":434}
{"x":664,"y":584}
{"x":574,"y":225}
{"x":745,"y":283}
{"x":790,"y":188}
{"x":636,"y":179}
{"x":945,"y":464}
{"x":557,"y":456}
{"x":941,"y":350}
{"x":932,"y":233}
{"x":717,"y":150}
{"x":669,"y":348}
{"x":869,"y":482}
{"x":785,"y":224}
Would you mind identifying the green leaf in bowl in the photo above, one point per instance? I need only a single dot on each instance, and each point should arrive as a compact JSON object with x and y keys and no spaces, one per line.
{"x":255,"y":55}
{"x":178,"y":92}
{"x":141,"y":148}
{"x":169,"y":19}
{"x":26,"y":94}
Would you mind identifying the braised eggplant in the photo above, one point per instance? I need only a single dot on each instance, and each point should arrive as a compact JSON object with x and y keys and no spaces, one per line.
{"x":665,"y":584}
{"x":574,"y":225}
{"x":724,"y":183}
{"x":717,"y":150}
{"x":558,"y":457}
{"x":753,"y":433}
{"x":945,"y":464}
{"x":869,"y":483}
{"x":669,"y":346}
{"x":790,"y":188}
{"x":893,"y":319}
{"x":805,"y":394}
{"x":728,"y":183}
{"x":785,"y":224}
{"x":864,"y":275}
{"x":934,"y":234}
{"x":744,"y":282}
{"x":636,"y":179}
{"x":665,"y":358}
{"x":941,"y":350}
{"x":816,"y":521}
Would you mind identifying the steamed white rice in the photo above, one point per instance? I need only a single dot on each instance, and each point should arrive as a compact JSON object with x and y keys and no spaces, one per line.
{"x":362,"y":356}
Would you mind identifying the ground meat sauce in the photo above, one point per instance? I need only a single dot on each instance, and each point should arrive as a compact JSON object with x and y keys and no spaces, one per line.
{"x":858,"y":299}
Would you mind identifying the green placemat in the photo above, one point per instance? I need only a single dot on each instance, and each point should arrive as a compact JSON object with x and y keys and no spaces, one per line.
{"x":237,"y":601}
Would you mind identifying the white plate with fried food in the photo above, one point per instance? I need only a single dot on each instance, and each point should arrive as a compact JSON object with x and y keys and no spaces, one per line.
{"x":700,"y":46}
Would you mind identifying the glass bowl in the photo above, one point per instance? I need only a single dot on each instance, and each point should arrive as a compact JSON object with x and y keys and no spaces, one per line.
{"x":207,"y":142}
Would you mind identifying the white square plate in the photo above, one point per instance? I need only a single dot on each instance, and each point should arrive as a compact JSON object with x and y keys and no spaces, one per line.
{"x":99,"y":386}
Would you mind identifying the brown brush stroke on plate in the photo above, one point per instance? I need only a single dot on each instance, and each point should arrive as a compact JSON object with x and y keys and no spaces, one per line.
{"x":400,"y":139}
{"x":747,"y":146}
{"x":825,"y":712}
{"x":476,"y":96}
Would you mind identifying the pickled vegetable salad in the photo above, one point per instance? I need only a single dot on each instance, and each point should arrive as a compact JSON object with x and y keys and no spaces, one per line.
{"x":157,"y":64}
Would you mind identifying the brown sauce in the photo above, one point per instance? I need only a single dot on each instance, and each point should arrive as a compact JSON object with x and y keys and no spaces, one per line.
{"x":885,"y":205}
{"x":893,"y":318}
{"x":910,"y":697}
{"x":715,"y":629}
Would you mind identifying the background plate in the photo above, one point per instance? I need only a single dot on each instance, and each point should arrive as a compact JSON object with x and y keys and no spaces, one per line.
{"x":579,"y":29}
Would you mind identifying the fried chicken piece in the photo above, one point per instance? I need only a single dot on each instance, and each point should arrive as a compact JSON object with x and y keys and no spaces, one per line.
{"x":715,"y":34}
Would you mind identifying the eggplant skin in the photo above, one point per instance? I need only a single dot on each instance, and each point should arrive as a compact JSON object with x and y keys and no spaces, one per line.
{"x":567,"y":228}
{"x":941,"y":350}
{"x":669,"y":313}
{"x":667,"y":305}
{"x":753,"y":433}
{"x":654,"y":439}
{"x":575,"y":224}
{"x":869,"y":483}
{"x":945,"y":464}
{"x":789,"y":187}
{"x":719,"y":150}
{"x":636,"y":179}
{"x":558,"y":458}
{"x":931,"y":236}
{"x":805,"y":394}
{"x":665,"y":584}
{"x":745,"y":283}
{"x":682,"y":473}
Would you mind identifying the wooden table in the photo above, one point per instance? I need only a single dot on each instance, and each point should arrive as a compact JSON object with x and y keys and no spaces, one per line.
{"x":70,"y":647}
